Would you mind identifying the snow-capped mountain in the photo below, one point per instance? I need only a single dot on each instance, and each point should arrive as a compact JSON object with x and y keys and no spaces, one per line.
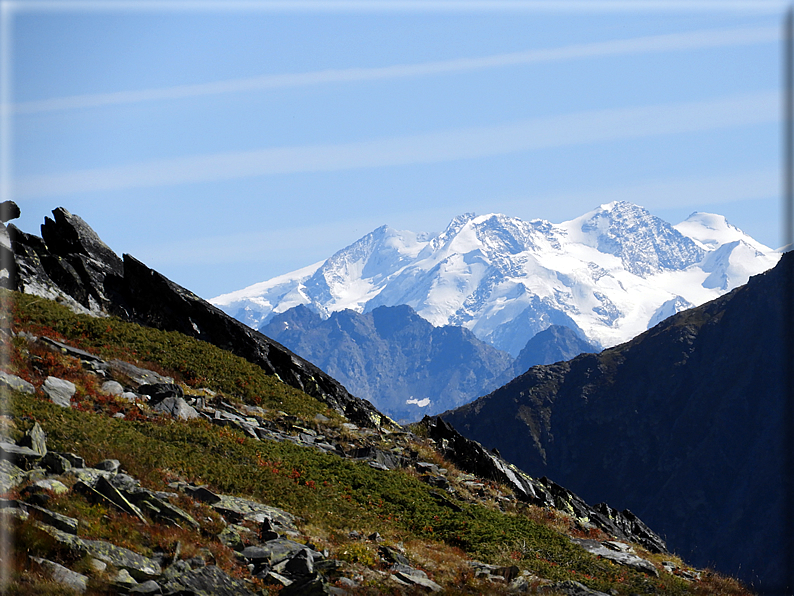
{"x":607,"y":274}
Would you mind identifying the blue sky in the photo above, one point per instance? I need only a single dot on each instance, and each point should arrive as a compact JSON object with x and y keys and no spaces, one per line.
{"x":227,"y":143}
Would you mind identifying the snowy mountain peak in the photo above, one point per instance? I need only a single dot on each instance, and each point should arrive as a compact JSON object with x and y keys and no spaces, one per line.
{"x":645,"y":244}
{"x":711,"y":231}
{"x":605,"y":274}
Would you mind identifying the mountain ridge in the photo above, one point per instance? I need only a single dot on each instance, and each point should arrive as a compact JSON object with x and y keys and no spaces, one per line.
{"x":605,"y":274}
{"x":688,"y":421}
{"x":394,"y":358}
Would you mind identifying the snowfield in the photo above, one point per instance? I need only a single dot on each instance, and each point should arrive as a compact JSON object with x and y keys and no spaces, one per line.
{"x":608,"y":274}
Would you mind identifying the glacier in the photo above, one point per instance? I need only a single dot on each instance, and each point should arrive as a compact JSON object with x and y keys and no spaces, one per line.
{"x":607,"y":274}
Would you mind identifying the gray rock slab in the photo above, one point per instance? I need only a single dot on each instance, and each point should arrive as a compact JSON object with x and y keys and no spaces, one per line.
{"x":52,"y":485}
{"x":24,"y":457}
{"x":75,"y":460}
{"x":87,"y":475}
{"x":56,"y":463}
{"x":275,"y":551}
{"x":110,"y":492}
{"x":11,"y":475}
{"x":36,"y":439}
{"x":63,"y":575}
{"x":232,"y":536}
{"x":203,"y":494}
{"x":176,"y":407}
{"x":207,"y":581}
{"x":301,"y":564}
{"x":15,"y":383}
{"x":56,"y":520}
{"x":139,"y":567}
{"x":112,"y":388}
{"x":237,"y":509}
{"x":147,"y":587}
{"x":618,"y":556}
{"x":108,"y":465}
{"x":59,"y":391}
{"x":418,"y":580}
{"x":69,"y":350}
{"x":139,"y":376}
{"x":570,"y":588}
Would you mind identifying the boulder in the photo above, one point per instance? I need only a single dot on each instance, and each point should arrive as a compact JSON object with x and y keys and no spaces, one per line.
{"x":139,"y":376}
{"x":15,"y":383}
{"x":275,"y":551}
{"x":59,"y":391}
{"x":147,"y":587}
{"x":51,"y":518}
{"x":160,"y":391}
{"x":56,"y":463}
{"x":301,"y":564}
{"x":108,"y":465}
{"x":176,"y":407}
{"x":24,"y":457}
{"x":139,"y":567}
{"x":51,"y":485}
{"x":110,"y":492}
{"x":621,"y":556}
{"x":209,"y":580}
{"x":11,"y":475}
{"x":237,"y":509}
{"x":112,"y":388}
{"x":569,"y":588}
{"x":412,"y":576}
{"x":62,"y":575}
{"x":35,"y":439}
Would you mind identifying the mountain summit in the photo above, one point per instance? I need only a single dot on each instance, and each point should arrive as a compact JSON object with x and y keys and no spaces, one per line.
{"x":607,"y":274}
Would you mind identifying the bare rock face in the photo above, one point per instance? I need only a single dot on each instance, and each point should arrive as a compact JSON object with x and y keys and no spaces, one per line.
{"x":59,"y":391}
{"x":70,"y":263}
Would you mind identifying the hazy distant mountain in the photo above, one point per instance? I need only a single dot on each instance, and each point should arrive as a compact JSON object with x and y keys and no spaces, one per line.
{"x":394,"y":358}
{"x":606,"y":274}
{"x":554,"y":344}
{"x":683,"y":425}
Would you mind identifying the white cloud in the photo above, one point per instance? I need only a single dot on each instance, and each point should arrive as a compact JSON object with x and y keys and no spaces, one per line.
{"x":653,"y":44}
{"x":466,"y":143}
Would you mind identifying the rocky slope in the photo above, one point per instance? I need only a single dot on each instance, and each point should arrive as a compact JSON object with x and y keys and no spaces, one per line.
{"x":683,"y":424}
{"x":118,"y":479}
{"x":70,"y":263}
{"x":394,"y":358}
{"x":605,"y":275}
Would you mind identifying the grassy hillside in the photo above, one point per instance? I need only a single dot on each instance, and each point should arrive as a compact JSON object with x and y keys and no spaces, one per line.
{"x":333,"y":496}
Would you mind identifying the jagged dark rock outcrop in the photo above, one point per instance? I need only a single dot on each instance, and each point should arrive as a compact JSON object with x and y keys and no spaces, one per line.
{"x":684,"y":424}
{"x":394,"y":358}
{"x":70,"y":263}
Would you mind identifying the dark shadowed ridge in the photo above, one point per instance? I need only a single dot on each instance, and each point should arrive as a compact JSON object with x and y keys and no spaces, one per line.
{"x":683,"y":425}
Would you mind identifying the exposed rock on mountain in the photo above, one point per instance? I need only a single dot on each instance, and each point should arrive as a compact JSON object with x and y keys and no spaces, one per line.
{"x":394,"y":358}
{"x":72,"y":264}
{"x":683,"y":424}
{"x":605,"y":274}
